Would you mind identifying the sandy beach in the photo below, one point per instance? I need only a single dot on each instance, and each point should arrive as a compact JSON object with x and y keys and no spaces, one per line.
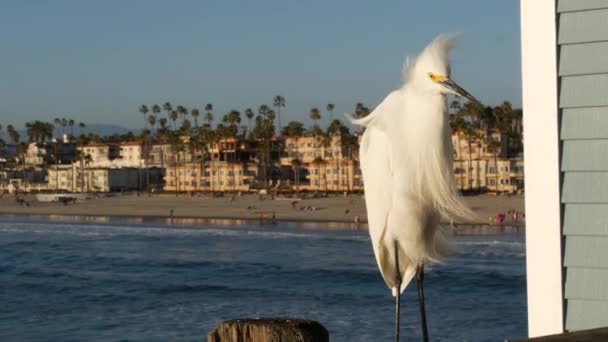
{"x":249,"y":207}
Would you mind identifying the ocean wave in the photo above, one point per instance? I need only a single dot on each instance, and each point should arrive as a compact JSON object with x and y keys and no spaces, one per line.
{"x":98,"y":230}
{"x":516,"y":244}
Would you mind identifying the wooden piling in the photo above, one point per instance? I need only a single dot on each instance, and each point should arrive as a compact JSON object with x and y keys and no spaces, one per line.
{"x":269,"y":330}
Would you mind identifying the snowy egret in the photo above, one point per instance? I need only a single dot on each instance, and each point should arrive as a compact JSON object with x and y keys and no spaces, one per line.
{"x":406,"y":162}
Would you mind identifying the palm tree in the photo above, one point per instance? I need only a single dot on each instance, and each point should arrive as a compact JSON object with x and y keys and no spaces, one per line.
{"x":64,"y":124}
{"x":152,"y":122}
{"x":57,"y":122}
{"x":458,"y":126}
{"x":233,"y":118}
{"x":163,"y":123}
{"x":156,"y":110}
{"x":13,"y":134}
{"x":470,"y":134}
{"x":295,"y":129}
{"x":71,"y":123}
{"x":209,"y":114}
{"x":478,"y":142}
{"x":177,"y":147}
{"x":475,"y":112}
{"x":330,"y":108}
{"x":173,"y":116}
{"x":315,"y":115}
{"x":81,"y":128}
{"x":494,"y":147}
{"x":195,"y":113}
{"x":144,"y":110}
{"x":168,"y":108}
{"x":182,"y":111}
{"x":263,"y":131}
{"x":249,"y":114}
{"x":279,"y":102}
{"x":455,"y":106}
{"x":295,"y":164}
{"x":14,"y":137}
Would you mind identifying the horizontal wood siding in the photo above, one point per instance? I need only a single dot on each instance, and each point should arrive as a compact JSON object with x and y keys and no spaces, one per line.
{"x":584,"y":123}
{"x":585,"y":187}
{"x":583,"y":27}
{"x":586,"y":314}
{"x":590,"y":289}
{"x":586,"y":219}
{"x":586,"y":251}
{"x":585,"y":155}
{"x":580,"y":5}
{"x":584,"y":91}
{"x":581,"y":59}
{"x":583,"y":100}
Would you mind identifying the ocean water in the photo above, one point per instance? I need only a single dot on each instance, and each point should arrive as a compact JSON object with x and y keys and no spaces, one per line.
{"x":67,"y":280}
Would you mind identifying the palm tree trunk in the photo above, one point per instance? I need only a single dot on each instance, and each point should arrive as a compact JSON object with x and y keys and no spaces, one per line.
{"x":177,"y":171}
{"x":496,"y":171}
{"x":470,"y":166}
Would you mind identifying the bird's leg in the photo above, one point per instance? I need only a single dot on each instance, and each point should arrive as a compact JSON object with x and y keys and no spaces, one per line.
{"x":398,"y":294}
{"x":420,"y":283}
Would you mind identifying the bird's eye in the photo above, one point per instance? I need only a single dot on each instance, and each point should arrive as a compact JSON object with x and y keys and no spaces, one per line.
{"x":437,"y":78}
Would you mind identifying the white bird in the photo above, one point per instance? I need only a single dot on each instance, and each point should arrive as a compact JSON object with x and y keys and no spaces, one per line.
{"x":406,"y":162}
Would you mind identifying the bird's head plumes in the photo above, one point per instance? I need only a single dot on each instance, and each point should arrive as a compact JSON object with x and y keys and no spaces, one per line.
{"x":430,"y":71}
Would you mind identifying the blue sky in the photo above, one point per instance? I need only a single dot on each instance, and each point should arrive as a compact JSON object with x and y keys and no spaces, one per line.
{"x":97,"y":61}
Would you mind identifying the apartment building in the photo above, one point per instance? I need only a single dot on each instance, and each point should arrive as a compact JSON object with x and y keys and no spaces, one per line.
{"x":211,"y":176}
{"x":100,"y":154}
{"x":72,"y":178}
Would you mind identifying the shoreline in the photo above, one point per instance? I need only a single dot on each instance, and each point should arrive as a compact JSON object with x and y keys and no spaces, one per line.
{"x":331,"y":210}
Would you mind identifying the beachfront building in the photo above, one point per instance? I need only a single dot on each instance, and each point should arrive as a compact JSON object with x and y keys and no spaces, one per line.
{"x":99,"y":153}
{"x":504,"y":175}
{"x":481,"y":163}
{"x":214,"y":176}
{"x":565,"y":102}
{"x":161,"y":155}
{"x":22,"y":181}
{"x":72,"y":178}
{"x":131,"y":154}
{"x":321,"y":164}
{"x":35,"y":155}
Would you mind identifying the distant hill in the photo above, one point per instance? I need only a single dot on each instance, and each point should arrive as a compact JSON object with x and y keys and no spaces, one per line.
{"x":107,"y":129}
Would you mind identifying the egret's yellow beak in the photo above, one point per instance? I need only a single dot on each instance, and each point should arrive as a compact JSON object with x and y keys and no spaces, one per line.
{"x":452,"y":86}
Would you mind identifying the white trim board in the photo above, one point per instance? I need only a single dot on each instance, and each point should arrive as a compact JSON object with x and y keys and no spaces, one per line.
{"x":541,"y":154}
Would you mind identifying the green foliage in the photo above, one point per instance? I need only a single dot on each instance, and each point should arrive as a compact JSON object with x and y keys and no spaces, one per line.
{"x":38,"y":131}
{"x":294,"y":129}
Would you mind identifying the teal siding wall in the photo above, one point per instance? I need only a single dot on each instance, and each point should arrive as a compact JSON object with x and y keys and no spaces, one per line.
{"x":583,"y":100}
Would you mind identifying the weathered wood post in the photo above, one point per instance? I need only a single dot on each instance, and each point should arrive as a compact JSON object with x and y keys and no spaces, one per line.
{"x":269,"y":330}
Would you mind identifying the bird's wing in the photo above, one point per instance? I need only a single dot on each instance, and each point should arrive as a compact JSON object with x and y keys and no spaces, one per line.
{"x":377,"y":181}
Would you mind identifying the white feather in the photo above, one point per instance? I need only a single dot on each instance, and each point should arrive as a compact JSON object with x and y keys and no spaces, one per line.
{"x":406,"y":162}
